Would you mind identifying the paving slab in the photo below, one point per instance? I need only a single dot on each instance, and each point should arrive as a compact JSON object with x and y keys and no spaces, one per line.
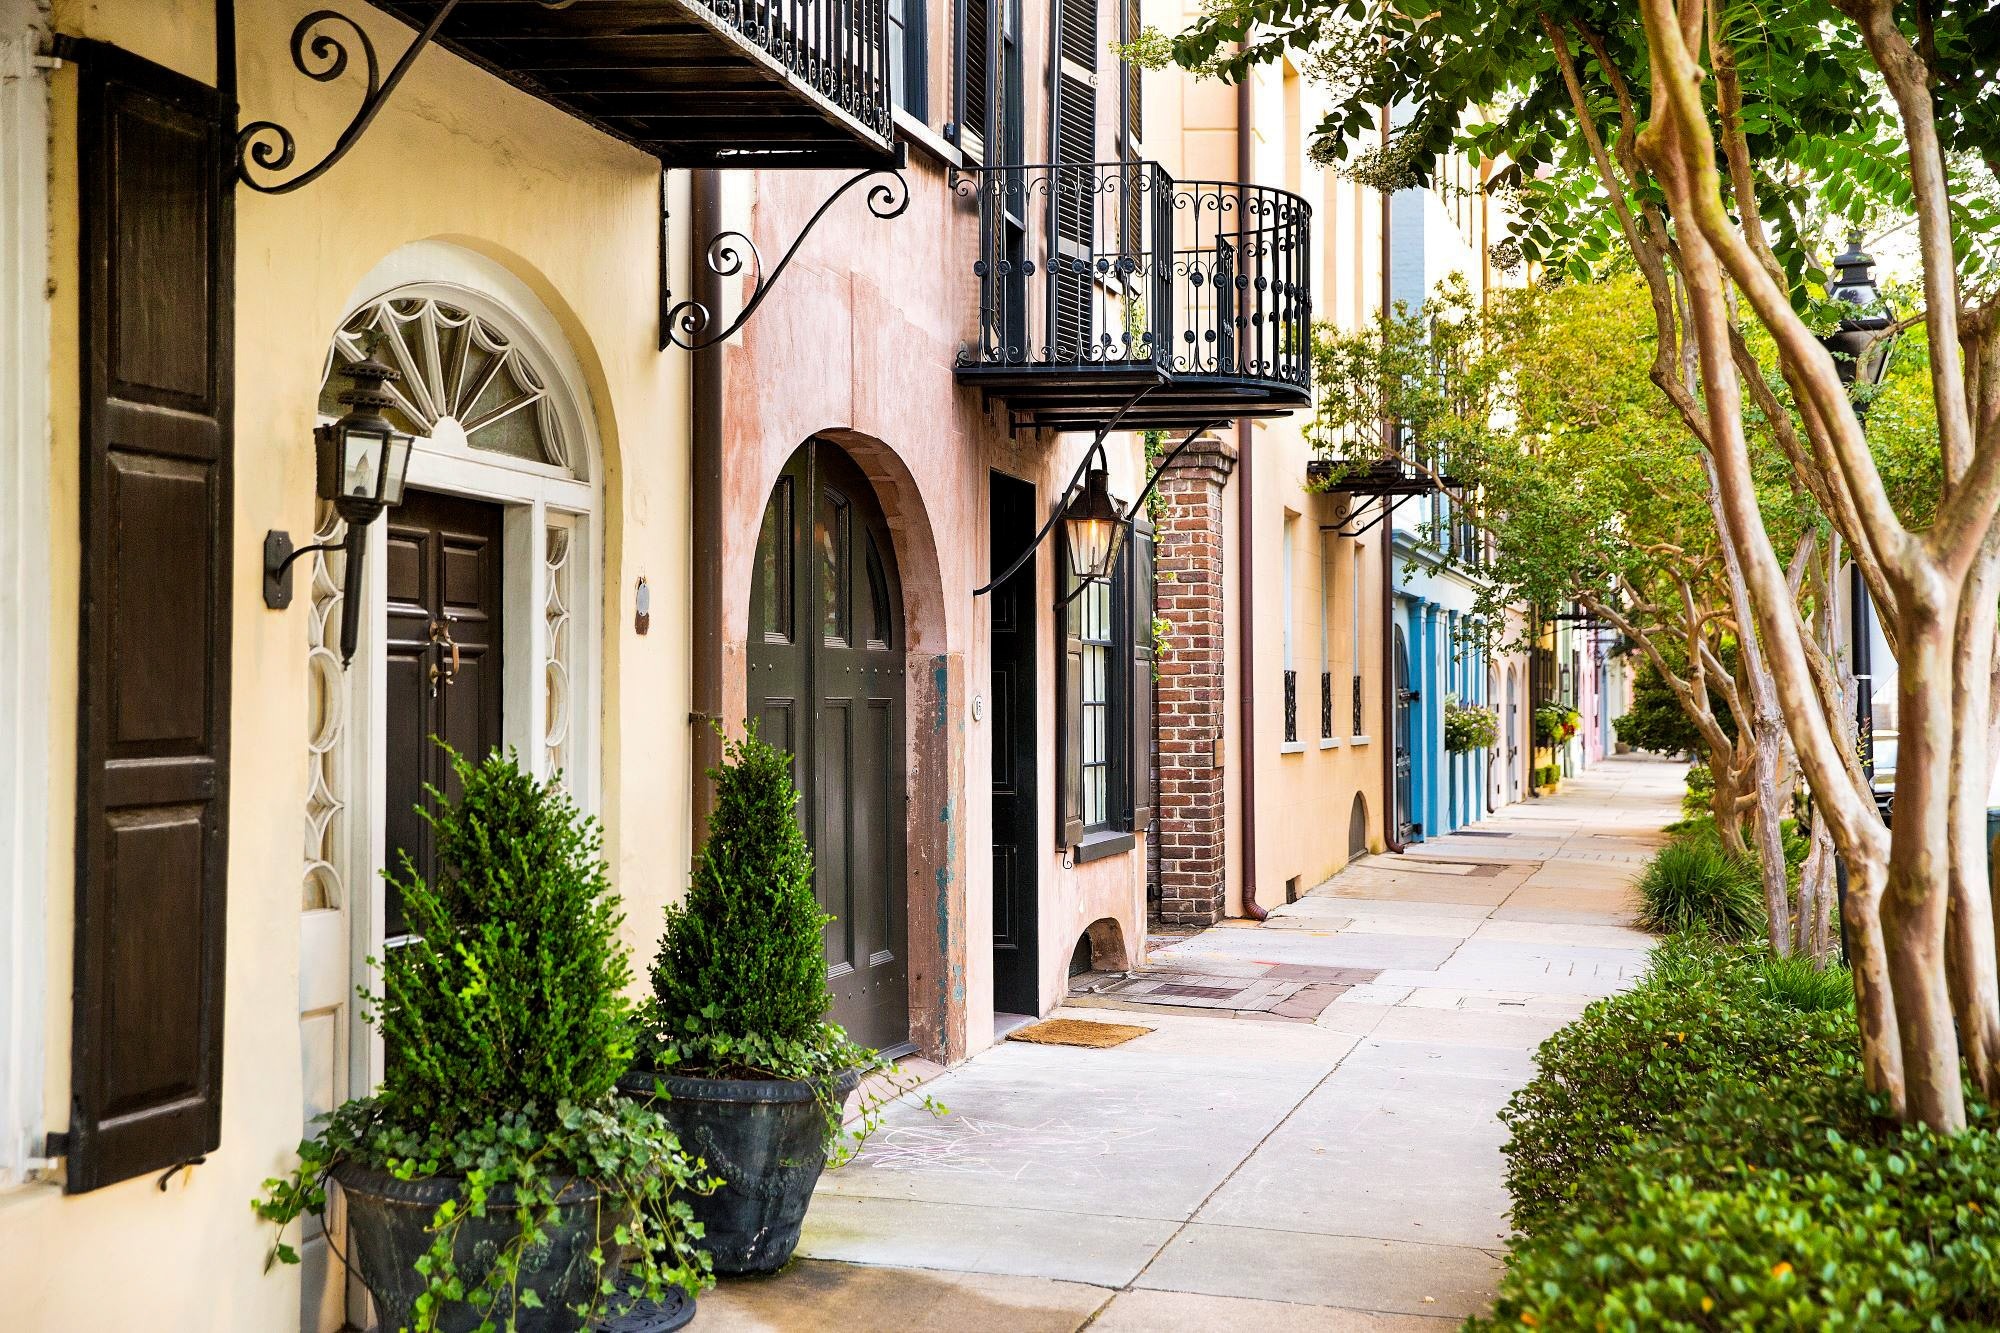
{"x":1029,"y":1242}
{"x":1350,"y":1272}
{"x":1190,"y":1312}
{"x":810,"y":1297}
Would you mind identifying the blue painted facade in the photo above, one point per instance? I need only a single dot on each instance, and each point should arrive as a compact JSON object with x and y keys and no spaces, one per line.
{"x":1433,"y":608}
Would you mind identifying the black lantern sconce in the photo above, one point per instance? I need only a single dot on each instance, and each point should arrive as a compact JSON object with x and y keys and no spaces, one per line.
{"x":362,"y":460}
{"x":1090,"y":523}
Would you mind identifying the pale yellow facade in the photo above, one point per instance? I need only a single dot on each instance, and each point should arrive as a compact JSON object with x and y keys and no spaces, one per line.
{"x":1317,"y":594}
{"x":463,"y":187}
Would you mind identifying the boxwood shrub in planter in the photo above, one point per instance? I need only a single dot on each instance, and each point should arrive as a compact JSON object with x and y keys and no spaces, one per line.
{"x":496,"y":1180}
{"x":738,"y":1054}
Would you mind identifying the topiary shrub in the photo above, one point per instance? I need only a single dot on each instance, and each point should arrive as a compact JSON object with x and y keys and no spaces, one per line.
{"x":511,"y":988}
{"x":505,"y":1028}
{"x":1692,"y":884}
{"x":739,"y":984}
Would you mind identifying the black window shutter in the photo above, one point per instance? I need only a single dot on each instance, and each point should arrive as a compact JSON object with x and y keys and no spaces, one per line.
{"x":1140,"y":717}
{"x":975,"y":86}
{"x":1069,"y":690}
{"x":153,"y":706}
{"x":1076,"y":192}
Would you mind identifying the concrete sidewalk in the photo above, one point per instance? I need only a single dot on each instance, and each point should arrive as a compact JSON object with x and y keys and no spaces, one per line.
{"x":1306,"y":1142}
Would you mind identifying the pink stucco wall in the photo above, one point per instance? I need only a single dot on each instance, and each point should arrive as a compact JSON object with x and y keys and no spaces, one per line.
{"x":856,"y":345}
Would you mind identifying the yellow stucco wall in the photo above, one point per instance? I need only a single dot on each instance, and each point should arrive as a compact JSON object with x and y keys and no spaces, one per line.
{"x":456,"y":157}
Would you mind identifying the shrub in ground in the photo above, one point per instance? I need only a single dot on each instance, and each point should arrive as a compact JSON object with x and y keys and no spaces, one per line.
{"x":1728,"y":1170}
{"x":1692,"y":884}
{"x":1634,"y":1059}
{"x":1796,"y":981}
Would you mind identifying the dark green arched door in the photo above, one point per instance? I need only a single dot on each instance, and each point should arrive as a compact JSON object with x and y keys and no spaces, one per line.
{"x":826,"y":656}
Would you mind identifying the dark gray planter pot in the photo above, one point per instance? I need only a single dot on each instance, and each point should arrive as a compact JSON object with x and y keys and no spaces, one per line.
{"x":388,"y":1224}
{"x":766,"y":1138}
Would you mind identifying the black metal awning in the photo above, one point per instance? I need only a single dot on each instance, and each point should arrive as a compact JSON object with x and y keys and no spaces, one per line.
{"x":695,"y":83}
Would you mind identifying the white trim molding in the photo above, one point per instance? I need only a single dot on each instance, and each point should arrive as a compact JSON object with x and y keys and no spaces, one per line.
{"x":24,"y":584}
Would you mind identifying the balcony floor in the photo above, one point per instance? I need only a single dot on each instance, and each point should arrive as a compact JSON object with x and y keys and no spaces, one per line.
{"x":675,"y":78}
{"x":1069,"y":397}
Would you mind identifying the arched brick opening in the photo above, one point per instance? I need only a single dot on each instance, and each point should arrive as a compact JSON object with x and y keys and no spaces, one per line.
{"x":1357,"y":826}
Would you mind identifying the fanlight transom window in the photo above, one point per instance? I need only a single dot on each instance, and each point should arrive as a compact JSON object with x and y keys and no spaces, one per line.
{"x":461,"y":375}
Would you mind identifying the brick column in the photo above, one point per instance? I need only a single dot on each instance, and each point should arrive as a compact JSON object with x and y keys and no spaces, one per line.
{"x":1191,"y":685}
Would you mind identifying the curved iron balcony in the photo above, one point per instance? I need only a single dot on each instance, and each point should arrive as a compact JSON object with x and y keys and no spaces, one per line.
{"x":696,"y":83}
{"x":1111,"y":288}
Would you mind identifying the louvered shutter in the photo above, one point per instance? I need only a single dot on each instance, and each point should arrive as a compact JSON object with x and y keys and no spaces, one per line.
{"x":1075,"y":186}
{"x":975,"y":77}
{"x":1069,"y":693}
{"x":1131,"y":132}
{"x":153,"y":664}
{"x":1140,"y":716}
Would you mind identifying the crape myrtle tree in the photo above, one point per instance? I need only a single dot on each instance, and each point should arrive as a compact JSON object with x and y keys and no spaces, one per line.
{"x":1537,"y":405}
{"x":1706,"y":141}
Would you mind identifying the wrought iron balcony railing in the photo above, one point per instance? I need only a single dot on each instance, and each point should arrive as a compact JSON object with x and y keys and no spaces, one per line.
{"x":1291,"y":706}
{"x":1099,"y":280}
{"x":1326,"y":705}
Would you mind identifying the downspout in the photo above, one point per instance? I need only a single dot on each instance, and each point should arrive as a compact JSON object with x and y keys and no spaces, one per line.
{"x":1246,"y":603}
{"x":705,"y":517}
{"x":1392,"y":828}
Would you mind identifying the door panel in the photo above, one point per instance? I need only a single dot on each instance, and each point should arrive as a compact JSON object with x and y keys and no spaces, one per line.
{"x":444,"y":668}
{"x":825,"y":547}
{"x":1016,"y":955}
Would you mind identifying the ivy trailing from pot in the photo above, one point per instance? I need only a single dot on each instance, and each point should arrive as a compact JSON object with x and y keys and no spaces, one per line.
{"x":1469,"y":727}
{"x":737,"y":1051}
{"x":496,"y":1181}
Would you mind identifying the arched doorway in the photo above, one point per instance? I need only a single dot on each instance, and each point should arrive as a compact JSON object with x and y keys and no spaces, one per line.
{"x":826,"y":682}
{"x":1513,"y":766}
{"x":480,"y":626}
{"x":1405,"y":824}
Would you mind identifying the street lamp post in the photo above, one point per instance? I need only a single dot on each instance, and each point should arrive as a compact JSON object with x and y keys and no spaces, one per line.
{"x":1860,"y":352}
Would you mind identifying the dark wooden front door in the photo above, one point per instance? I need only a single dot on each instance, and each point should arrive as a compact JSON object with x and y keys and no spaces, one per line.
{"x":1405,"y":813}
{"x":444,"y":591}
{"x":826,"y":683}
{"x":1016,"y":957}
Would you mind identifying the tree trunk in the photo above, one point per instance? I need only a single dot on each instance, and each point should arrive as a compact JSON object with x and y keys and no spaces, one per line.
{"x":1914,"y":906}
{"x":1814,"y":924}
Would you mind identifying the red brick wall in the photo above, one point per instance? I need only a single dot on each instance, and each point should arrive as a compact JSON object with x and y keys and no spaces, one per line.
{"x":1191,"y":790}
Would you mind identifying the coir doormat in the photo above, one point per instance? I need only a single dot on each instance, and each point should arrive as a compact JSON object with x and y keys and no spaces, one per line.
{"x":1078,"y":1032}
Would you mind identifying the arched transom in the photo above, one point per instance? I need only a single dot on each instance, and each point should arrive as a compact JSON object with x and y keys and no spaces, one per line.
{"x":463,"y":377}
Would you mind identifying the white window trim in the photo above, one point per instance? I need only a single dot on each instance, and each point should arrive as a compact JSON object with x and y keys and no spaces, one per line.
{"x":25,"y":612}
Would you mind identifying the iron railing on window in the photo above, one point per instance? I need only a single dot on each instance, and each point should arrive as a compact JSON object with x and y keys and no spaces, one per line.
{"x":1326,"y":705}
{"x":1291,"y":706}
{"x":1359,"y":730}
{"x":838,"y":48}
{"x":1112,"y":263}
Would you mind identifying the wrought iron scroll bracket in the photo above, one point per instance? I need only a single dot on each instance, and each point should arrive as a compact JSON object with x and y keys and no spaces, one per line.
{"x":321,"y":54}
{"x":686,"y":324}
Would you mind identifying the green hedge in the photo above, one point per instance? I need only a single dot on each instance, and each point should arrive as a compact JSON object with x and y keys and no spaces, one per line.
{"x":1699,"y":1153}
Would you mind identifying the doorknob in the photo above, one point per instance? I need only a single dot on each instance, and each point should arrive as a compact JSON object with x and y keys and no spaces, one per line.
{"x":441,"y":636}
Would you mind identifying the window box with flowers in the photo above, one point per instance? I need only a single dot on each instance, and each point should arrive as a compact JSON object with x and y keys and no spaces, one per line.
{"x":1469,"y":727}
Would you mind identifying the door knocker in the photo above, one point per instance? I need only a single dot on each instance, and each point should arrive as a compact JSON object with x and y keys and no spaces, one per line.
{"x":441,"y":636}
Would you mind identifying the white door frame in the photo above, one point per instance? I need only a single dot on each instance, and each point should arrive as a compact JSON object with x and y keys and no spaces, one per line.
{"x":335,"y":942}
